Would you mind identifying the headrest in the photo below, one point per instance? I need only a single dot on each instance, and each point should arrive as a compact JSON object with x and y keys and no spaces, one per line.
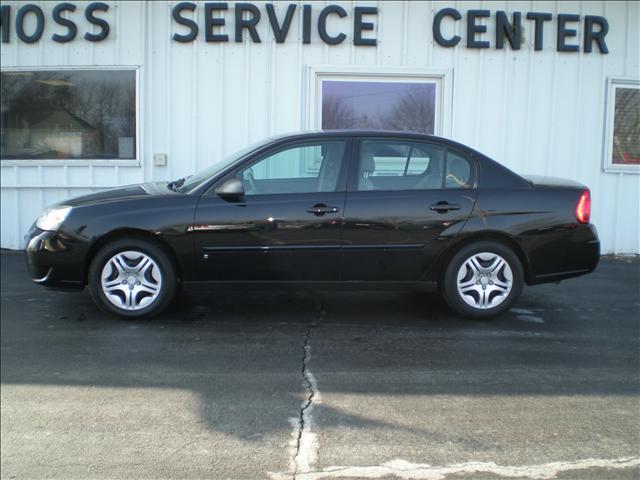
{"x":458,"y":167}
{"x":330,"y":153}
{"x":367,"y":164}
{"x":457,"y":172}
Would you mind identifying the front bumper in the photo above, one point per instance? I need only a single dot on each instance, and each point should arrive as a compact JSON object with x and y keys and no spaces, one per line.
{"x":54,"y":260}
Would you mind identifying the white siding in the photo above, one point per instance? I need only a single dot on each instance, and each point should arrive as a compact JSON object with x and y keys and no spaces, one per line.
{"x":536,"y":112}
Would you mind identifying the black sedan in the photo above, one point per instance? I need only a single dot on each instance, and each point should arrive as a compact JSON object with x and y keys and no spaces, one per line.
{"x":356,"y":208}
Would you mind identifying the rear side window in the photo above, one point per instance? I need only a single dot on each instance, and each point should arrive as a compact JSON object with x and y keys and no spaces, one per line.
{"x":397,"y":165}
{"x":396,"y":160}
{"x":459,"y":173}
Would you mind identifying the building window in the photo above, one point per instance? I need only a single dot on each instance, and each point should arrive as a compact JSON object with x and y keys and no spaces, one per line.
{"x":408,"y":100}
{"x":58,"y":115}
{"x":385,"y":105}
{"x":622,"y":149}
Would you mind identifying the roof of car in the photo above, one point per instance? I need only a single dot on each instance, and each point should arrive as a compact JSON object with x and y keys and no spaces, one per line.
{"x":359,"y":131}
{"x":374,"y":133}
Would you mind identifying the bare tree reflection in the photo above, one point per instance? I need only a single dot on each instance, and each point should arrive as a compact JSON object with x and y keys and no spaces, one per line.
{"x":413,"y":112}
{"x":403,"y":107}
{"x":626,"y":130}
{"x":72,"y":114}
{"x":336,"y":114}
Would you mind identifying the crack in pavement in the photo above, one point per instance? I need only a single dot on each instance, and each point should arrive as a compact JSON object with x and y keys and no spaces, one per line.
{"x":306,"y":444}
{"x":303,"y":420}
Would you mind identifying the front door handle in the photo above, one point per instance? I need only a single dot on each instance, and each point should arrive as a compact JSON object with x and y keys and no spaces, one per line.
{"x":443,"y":207}
{"x":321,"y":209}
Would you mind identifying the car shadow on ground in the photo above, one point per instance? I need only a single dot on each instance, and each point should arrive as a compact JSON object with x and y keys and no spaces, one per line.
{"x":234,"y":348}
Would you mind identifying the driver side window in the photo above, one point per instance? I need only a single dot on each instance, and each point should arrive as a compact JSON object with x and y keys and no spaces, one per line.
{"x":303,"y":168}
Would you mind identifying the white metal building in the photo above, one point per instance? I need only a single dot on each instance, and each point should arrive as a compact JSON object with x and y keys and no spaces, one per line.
{"x":166,"y":102}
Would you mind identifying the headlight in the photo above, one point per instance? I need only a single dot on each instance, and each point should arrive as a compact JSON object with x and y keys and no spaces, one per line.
{"x":52,"y":217}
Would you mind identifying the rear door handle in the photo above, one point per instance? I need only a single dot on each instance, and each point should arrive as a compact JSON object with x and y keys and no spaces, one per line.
{"x":321,"y":209}
{"x":442,"y":207}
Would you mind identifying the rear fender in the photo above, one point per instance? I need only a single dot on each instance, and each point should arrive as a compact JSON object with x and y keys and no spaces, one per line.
{"x":541,"y":223}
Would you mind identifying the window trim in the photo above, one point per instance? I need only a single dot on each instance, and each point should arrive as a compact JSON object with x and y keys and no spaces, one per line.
{"x":613,"y":83}
{"x":316,"y":74}
{"x":45,"y":162}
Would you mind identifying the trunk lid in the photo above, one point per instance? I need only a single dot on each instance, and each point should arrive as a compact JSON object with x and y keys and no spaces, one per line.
{"x":540,"y":181}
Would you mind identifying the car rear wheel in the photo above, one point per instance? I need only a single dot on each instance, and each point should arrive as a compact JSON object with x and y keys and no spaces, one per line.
{"x":133,"y":278}
{"x":483,"y":280}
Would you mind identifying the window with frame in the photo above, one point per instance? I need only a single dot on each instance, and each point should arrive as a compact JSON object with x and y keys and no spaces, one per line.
{"x":68,"y":114}
{"x":623,"y":126}
{"x":386,"y":104}
{"x":302,"y":168}
{"x":396,"y":165}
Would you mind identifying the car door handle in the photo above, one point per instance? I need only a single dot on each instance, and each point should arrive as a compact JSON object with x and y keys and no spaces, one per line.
{"x":321,"y":209}
{"x":442,"y":207}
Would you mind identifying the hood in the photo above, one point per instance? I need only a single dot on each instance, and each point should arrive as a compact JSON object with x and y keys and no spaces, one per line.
{"x":551,"y":182}
{"x":121,"y":193}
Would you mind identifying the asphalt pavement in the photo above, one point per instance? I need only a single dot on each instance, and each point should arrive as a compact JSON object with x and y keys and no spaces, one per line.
{"x":275,"y":384}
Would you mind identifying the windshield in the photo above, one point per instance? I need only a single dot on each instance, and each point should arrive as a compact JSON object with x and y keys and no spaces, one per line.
{"x":194,"y":181}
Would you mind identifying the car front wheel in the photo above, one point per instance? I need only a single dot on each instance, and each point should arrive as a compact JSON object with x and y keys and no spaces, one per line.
{"x":132,"y":278}
{"x":483,"y":280}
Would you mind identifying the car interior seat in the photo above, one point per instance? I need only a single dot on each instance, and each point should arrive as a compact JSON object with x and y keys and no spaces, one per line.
{"x":458,"y":173}
{"x":367,"y":167}
{"x":330,"y":168}
{"x":433,"y":176}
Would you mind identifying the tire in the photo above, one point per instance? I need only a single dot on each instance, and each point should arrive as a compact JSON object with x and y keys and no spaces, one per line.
{"x":132,"y":278}
{"x":487,"y":286}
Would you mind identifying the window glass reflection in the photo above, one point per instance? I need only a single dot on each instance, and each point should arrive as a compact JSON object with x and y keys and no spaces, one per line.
{"x":399,"y":106}
{"x":626,"y":127}
{"x":71,"y":114}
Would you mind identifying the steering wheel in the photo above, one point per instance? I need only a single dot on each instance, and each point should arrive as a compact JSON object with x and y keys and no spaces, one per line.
{"x":251,"y":181}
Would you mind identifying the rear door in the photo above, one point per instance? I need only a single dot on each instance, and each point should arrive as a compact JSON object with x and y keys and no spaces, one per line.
{"x":286,"y":226}
{"x":405,"y":202}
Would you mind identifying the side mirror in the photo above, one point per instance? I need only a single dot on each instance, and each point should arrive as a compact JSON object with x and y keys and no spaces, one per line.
{"x":231,"y":188}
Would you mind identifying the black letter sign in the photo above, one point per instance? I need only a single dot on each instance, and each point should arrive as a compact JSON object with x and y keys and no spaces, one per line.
{"x":280,"y":33}
{"x":564,"y":32}
{"x":437,"y":32}
{"x":35,"y":36}
{"x":513,"y":31}
{"x":322,"y":24}
{"x":104,"y":26}
{"x":72,"y":30}
{"x":473,"y":28}
{"x":249,"y":24}
{"x":539,"y":19}
{"x":193,"y":27}
{"x":306,"y":24}
{"x":210,"y":22}
{"x":359,"y":25}
{"x":5,"y":22}
{"x":590,"y":35}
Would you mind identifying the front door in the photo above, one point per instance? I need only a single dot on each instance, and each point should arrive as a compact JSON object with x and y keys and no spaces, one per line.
{"x":406,"y":202}
{"x":287,"y":225}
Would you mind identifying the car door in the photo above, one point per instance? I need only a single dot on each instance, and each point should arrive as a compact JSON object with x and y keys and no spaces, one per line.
{"x":406,"y":201}
{"x":287,"y":224}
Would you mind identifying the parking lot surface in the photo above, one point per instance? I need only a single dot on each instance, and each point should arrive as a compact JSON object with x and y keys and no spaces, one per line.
{"x":281,"y":384}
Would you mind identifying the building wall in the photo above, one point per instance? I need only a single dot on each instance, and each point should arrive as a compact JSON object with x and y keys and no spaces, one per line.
{"x":539,"y":112}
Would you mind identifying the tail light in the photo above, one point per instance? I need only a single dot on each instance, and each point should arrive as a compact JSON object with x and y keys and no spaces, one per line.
{"x":583,"y":207}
